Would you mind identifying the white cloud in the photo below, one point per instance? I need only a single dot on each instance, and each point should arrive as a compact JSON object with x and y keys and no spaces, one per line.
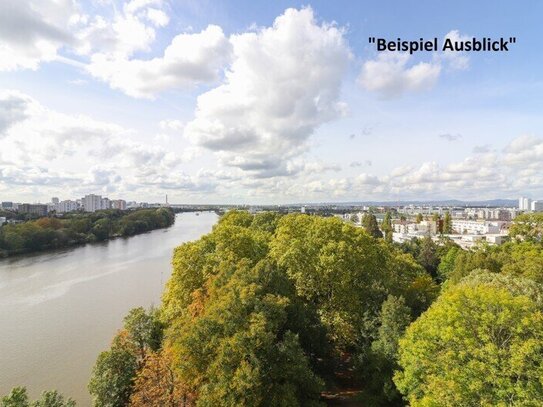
{"x":68,"y":153}
{"x":158,"y":17}
{"x":32,"y":31}
{"x":189,"y":60}
{"x":455,"y":60}
{"x":525,"y":151}
{"x":13,"y":109}
{"x":133,"y":6}
{"x":284,"y":82}
{"x":172,"y":125}
{"x":116,"y":39}
{"x":390,"y":75}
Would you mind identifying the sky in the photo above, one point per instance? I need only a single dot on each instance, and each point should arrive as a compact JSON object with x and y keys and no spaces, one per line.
{"x":265,"y":102}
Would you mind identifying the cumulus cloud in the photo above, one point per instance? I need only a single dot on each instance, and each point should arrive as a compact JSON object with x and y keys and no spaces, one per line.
{"x":525,"y":151}
{"x":284,"y":81}
{"x":33,"y":31}
{"x":392,"y":74}
{"x":455,"y":60}
{"x":190,"y":59}
{"x":172,"y":125}
{"x":158,"y":17}
{"x":43,"y":147}
{"x":13,"y":109}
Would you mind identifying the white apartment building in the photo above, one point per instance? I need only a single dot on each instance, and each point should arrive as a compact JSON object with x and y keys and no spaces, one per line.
{"x":524,"y":204}
{"x":537,"y":206}
{"x":93,"y":203}
{"x":66,"y":206}
{"x":473,"y":227}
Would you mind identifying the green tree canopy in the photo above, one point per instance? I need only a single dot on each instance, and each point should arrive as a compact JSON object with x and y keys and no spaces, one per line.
{"x":447,"y":223}
{"x":369,"y":223}
{"x":18,"y":397}
{"x":387,"y":227}
{"x":240,"y":349}
{"x":478,"y":344}
{"x":528,"y":227}
{"x":113,"y":374}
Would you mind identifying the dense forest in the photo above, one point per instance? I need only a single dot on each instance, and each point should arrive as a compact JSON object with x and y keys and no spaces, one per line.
{"x":273,"y":310}
{"x":77,"y":228}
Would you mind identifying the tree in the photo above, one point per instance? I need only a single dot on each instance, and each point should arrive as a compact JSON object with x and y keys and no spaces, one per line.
{"x":157,"y":384}
{"x":378,"y":370}
{"x":259,"y":306}
{"x":113,"y":374}
{"x":447,"y":223}
{"x":18,"y":397}
{"x":346,"y":275}
{"x":53,"y":398}
{"x":395,"y":316}
{"x":447,"y":263}
{"x":240,"y":350}
{"x":354,"y":218}
{"x":418,"y":219}
{"x":427,"y":256}
{"x":527,"y":227}
{"x":369,"y":223}
{"x":387,"y":227}
{"x":102,"y":229}
{"x":478,"y":344}
{"x":144,"y":329}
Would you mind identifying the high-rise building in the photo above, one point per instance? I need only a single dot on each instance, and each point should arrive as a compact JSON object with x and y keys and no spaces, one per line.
{"x":91,"y":203}
{"x":55,"y":200}
{"x":7,"y":205}
{"x":537,"y":206}
{"x":524,"y":204}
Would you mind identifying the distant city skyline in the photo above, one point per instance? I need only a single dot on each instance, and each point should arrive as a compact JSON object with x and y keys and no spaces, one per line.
{"x":277,"y":104}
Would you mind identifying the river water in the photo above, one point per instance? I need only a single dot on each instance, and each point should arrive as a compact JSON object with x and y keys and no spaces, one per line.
{"x":59,"y":310}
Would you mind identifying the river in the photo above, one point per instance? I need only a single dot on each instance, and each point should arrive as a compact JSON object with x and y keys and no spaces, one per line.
{"x":59,"y":310}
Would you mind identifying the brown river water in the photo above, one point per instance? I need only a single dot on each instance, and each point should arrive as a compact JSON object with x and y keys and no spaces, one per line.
{"x":58,"y":310}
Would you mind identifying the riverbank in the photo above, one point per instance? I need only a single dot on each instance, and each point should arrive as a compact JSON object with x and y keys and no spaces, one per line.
{"x":60,"y":309}
{"x":76,"y":229}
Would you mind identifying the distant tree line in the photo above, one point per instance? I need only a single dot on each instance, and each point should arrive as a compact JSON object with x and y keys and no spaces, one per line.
{"x":78,"y":228}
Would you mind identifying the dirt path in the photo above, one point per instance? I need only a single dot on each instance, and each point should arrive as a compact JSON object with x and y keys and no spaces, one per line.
{"x":346,"y":390}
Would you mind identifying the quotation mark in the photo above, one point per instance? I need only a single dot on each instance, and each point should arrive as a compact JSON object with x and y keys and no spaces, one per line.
{"x":372,"y":40}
